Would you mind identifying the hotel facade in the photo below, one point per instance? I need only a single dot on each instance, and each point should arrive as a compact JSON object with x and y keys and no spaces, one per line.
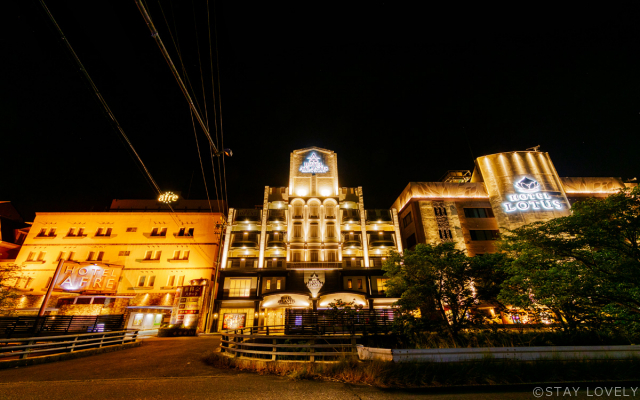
{"x":310,"y":244}
{"x":134,"y":259}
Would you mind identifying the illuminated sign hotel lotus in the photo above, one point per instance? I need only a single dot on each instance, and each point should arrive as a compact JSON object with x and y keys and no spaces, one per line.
{"x":314,"y":165}
{"x":530,"y":197}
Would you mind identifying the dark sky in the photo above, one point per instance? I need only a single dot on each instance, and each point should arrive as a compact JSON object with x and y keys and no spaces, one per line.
{"x":402,"y":93}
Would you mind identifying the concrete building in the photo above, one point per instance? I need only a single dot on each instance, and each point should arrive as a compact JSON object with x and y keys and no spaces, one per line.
{"x":310,"y":244}
{"x":133,"y":259}
{"x":505,"y":191}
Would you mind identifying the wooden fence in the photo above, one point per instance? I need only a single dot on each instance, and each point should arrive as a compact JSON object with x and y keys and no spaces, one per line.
{"x":273,"y":345}
{"x":50,"y":345}
{"x":58,"y":324}
{"x":326,"y":322}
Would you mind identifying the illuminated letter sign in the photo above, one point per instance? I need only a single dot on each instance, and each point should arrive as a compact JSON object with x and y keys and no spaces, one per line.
{"x":313,"y":165}
{"x":87,"y":277}
{"x":168,"y":197}
{"x":286,"y":300}
{"x":530,"y":197}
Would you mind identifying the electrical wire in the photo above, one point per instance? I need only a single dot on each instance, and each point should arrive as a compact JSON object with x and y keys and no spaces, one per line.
{"x":176,"y":74}
{"x":101,"y":99}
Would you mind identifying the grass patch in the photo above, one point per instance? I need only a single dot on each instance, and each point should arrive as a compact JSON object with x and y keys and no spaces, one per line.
{"x":414,"y":375}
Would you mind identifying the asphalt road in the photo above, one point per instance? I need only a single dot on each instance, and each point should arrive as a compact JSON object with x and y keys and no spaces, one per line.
{"x":171,"y":369}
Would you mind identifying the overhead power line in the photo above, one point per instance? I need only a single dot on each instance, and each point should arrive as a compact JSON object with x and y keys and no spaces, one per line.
{"x":167,"y":57}
{"x":100,"y":98}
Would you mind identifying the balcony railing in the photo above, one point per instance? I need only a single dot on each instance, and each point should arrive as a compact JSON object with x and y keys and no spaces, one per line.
{"x":352,"y":244}
{"x":314,"y":265}
{"x":378,"y":216}
{"x":382,"y":243}
{"x":276,"y":244}
{"x":244,"y":244}
{"x":277,"y":216}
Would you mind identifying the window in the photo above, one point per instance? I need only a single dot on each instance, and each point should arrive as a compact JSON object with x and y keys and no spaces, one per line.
{"x":141,"y":280}
{"x":331,"y":231}
{"x":80,"y":232}
{"x":411,"y":240}
{"x":124,"y":253}
{"x":296,"y":256}
{"x":185,"y":232}
{"x":313,"y":255}
{"x":268,"y":284}
{"x":313,"y":211}
{"x":382,"y":284}
{"x":478,"y":213}
{"x":313,"y":231}
{"x":156,"y":255}
{"x":297,"y":210}
{"x":331,"y":255}
{"x":152,"y":281}
{"x":103,"y":232}
{"x":91,"y":256}
{"x":132,"y":229}
{"x":159,"y":232}
{"x":181,"y":281}
{"x":360,"y":284}
{"x":72,"y":232}
{"x":171,"y":281}
{"x":329,"y":211}
{"x":297,"y":231}
{"x":41,"y":255}
{"x":278,"y":284}
{"x":445,"y":234}
{"x":349,"y":284}
{"x":407,"y":220}
{"x":484,"y":234}
{"x":352,"y":262}
{"x":275,"y":263}
{"x":31,"y":256}
{"x":42,"y":233}
{"x":52,"y":232}
{"x":239,"y":287}
{"x":440,"y":211}
{"x":176,"y":255}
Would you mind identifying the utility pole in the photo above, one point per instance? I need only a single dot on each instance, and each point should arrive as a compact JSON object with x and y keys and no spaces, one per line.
{"x":50,"y":288}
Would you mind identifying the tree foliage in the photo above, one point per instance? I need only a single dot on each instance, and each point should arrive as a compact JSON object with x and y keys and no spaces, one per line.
{"x":434,"y":285}
{"x":9,"y":296}
{"x":585,"y":267}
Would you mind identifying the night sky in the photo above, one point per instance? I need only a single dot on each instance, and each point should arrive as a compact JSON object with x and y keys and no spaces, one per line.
{"x":401,"y":93}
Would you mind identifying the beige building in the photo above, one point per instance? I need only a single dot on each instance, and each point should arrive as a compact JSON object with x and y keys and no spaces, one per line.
{"x":311,"y":243}
{"x":133,"y":259}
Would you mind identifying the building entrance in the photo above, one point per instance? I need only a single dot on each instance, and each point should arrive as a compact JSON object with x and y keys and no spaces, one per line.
{"x":274,"y":316}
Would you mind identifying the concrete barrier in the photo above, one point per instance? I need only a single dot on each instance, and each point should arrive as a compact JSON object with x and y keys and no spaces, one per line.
{"x":511,"y":353}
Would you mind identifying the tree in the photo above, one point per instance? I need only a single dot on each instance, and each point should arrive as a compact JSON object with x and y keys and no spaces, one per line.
{"x":585,"y":267}
{"x":436,"y":282}
{"x":9,"y":273}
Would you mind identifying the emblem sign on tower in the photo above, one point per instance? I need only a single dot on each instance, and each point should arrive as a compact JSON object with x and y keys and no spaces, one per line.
{"x":313,"y":165}
{"x":530,"y":197}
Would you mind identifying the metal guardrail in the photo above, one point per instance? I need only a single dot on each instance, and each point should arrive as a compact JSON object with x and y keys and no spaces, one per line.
{"x":51,"y":345}
{"x":272,"y":344}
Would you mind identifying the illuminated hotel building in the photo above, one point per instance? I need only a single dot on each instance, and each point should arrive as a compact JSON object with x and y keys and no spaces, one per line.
{"x":130,"y":260}
{"x":505,"y":191}
{"x":310,"y":244}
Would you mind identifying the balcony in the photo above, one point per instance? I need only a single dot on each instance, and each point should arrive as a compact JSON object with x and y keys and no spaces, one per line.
{"x":277,"y":216}
{"x":244,"y":244}
{"x":350,"y":216}
{"x":251,"y":216}
{"x":379,"y":217}
{"x":314,"y":265}
{"x":382,"y":243}
{"x":352,"y":244}
{"x":276,"y":244}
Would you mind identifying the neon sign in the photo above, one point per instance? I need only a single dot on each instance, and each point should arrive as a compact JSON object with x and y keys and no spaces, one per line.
{"x":530,"y":197}
{"x":313,"y":165}
{"x":168,"y":197}
{"x":89,"y":277}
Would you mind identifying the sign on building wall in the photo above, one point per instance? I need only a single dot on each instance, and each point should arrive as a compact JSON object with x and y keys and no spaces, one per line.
{"x":233,"y":321}
{"x":88,"y":277}
{"x":186,"y":310}
{"x":313,"y":165}
{"x":531,"y":197}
